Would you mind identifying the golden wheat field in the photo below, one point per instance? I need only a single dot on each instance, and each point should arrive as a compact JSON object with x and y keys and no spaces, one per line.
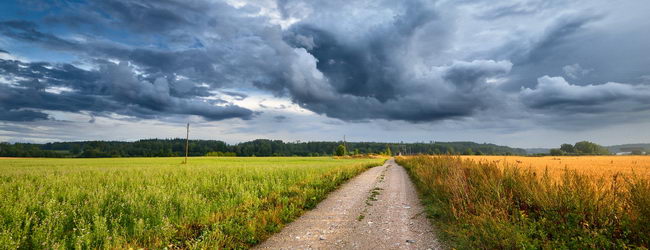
{"x":589,"y":165}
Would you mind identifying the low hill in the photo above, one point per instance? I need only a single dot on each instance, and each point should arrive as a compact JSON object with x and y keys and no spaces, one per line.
{"x":612,"y":149}
{"x":532,"y":151}
{"x":629,"y":147}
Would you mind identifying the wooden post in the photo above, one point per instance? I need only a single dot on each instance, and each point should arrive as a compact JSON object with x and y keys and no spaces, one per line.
{"x":187,"y":142}
{"x":345,"y":144}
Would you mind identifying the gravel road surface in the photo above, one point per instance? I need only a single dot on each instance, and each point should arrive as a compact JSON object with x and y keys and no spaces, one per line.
{"x":379,"y":209}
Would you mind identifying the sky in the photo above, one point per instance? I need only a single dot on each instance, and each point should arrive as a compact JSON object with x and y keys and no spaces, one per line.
{"x":523,"y":73}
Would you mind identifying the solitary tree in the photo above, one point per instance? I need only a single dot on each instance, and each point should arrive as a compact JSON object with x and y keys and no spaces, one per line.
{"x":388,"y":151}
{"x":567,"y":148}
{"x":340,"y":150}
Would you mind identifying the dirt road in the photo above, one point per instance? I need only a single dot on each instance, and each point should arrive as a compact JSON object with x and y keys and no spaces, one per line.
{"x":379,"y":209}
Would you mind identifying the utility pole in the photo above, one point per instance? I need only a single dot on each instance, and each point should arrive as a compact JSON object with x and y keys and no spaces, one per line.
{"x":345,"y":144}
{"x":187,"y":143}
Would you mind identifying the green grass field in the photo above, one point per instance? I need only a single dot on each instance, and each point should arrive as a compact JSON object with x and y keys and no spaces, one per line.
{"x":158,"y":202}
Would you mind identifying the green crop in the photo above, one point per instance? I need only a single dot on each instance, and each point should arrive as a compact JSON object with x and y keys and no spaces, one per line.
{"x":157,"y":202}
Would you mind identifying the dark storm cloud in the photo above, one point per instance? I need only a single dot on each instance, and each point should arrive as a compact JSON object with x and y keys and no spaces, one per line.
{"x":146,"y":16}
{"x":112,"y":88}
{"x":27,"y":31}
{"x":134,"y":15}
{"x":424,"y":101}
{"x":362,"y":80}
{"x":21,"y":115}
{"x":531,"y":53}
{"x":466,"y":75}
{"x":393,"y":60}
{"x":364,"y":71}
{"x":369,"y":77}
{"x":230,"y":56}
{"x":556,"y":34}
{"x":154,"y":61}
{"x":169,"y":82}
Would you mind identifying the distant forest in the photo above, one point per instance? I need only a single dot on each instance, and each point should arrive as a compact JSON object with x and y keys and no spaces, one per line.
{"x":260,"y":147}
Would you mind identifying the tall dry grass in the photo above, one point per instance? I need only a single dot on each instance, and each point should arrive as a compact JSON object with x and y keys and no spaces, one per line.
{"x":483,"y":205}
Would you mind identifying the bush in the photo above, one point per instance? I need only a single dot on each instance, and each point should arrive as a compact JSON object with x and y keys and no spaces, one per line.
{"x":556,"y":152}
{"x":221,"y":154}
{"x":340,"y":150}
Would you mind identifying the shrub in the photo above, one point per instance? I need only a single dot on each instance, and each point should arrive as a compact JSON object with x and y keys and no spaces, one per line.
{"x":556,"y":152}
{"x":340,"y":150}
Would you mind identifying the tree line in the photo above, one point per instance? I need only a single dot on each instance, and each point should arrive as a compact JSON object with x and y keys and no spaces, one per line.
{"x":259,"y":147}
{"x":580,"y":148}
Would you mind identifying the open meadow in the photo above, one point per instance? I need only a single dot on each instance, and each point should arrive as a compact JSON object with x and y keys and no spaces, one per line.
{"x":158,"y":202}
{"x":580,"y":202}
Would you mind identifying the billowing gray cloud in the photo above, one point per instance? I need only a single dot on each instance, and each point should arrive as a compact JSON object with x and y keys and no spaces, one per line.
{"x":556,"y":34}
{"x":415,"y":61}
{"x":369,"y":77}
{"x":27,"y":31}
{"x":555,"y":94}
{"x":575,"y":71}
{"x":516,"y":8}
{"x":18,"y":115}
{"x":360,"y":80}
{"x":112,"y":88}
